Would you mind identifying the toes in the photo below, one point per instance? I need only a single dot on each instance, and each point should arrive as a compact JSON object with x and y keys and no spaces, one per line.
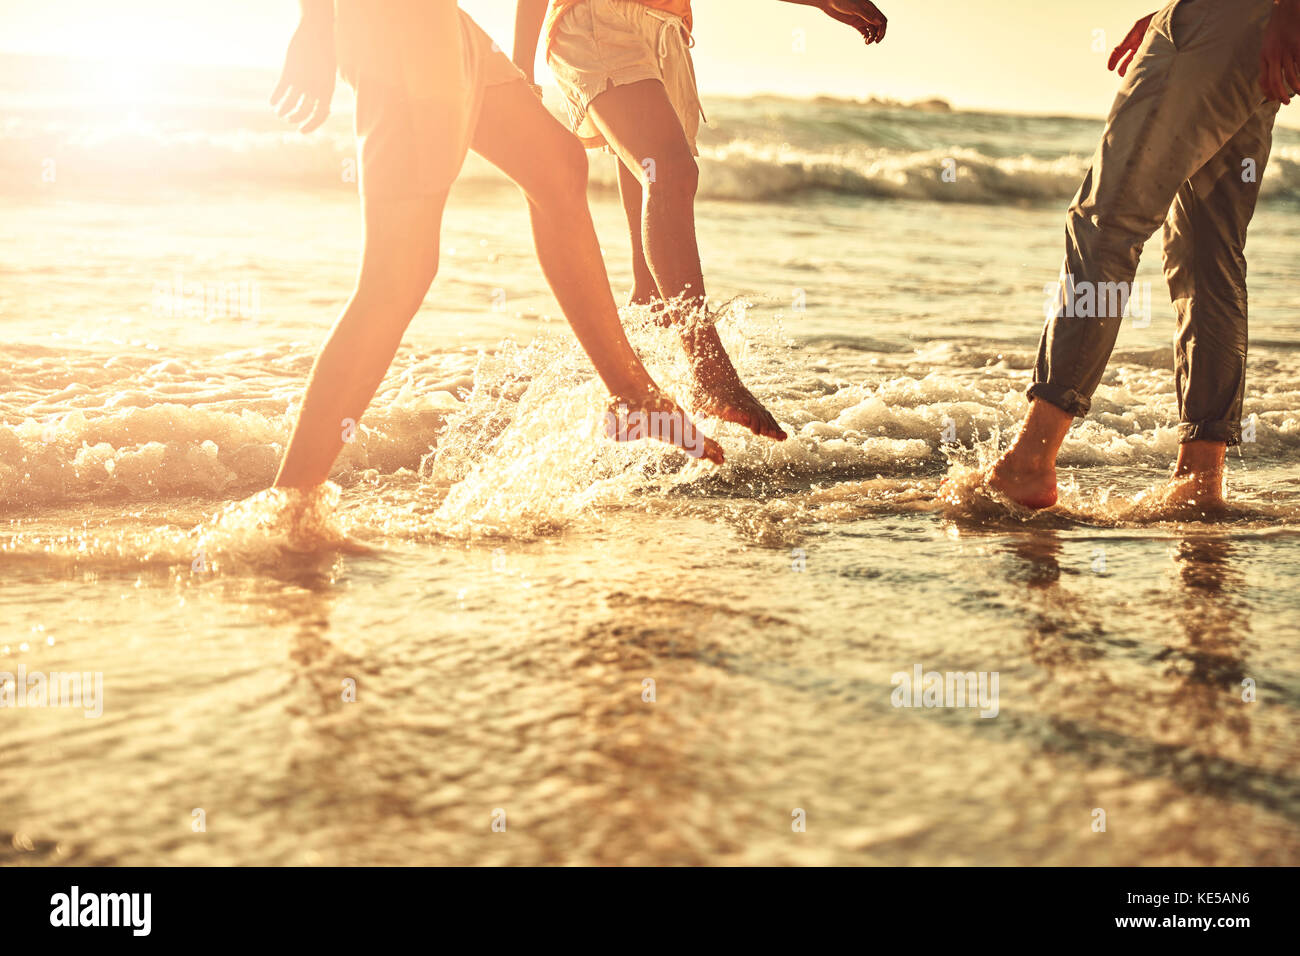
{"x":763,"y":424}
{"x":700,"y":445}
{"x":747,"y":414}
{"x":774,"y":429}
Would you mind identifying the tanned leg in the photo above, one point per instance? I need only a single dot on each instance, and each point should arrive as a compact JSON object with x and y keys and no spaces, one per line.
{"x":517,"y":135}
{"x":399,"y":261}
{"x":638,"y":121}
{"x":644,"y":290}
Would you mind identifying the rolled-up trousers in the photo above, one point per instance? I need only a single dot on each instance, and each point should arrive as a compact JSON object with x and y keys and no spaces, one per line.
{"x":1186,"y":143}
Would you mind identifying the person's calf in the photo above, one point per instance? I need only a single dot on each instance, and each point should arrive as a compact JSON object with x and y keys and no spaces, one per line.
{"x":351,"y":364}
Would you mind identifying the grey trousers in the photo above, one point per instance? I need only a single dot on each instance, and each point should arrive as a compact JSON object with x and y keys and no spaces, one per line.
{"x":1188,"y":139}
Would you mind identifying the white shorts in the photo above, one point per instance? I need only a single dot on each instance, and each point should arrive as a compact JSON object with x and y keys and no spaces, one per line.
{"x":419,"y":69}
{"x":603,"y":43}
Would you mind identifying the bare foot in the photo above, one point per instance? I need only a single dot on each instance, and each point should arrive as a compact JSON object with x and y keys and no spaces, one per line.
{"x":642,"y":295}
{"x":1026,"y":472}
{"x":718,"y":390}
{"x":1198,"y":477}
{"x":657,"y":416}
{"x":1195,"y":490}
{"x":1030,"y":487}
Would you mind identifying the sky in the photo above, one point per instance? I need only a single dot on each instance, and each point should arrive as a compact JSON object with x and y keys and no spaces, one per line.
{"x":1041,"y":56}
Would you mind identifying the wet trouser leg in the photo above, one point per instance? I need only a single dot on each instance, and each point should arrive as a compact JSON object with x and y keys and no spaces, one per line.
{"x":1205,"y":266}
{"x":1192,"y":86}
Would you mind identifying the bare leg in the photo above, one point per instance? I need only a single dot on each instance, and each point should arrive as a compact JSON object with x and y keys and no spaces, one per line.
{"x":638,"y":121}
{"x":516,"y":134}
{"x":644,"y":290}
{"x":398,"y":263}
{"x":1026,"y":472}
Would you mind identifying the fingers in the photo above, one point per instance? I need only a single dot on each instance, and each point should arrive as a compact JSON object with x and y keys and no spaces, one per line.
{"x":308,"y":111}
{"x":290,"y":101}
{"x":1118,"y":54}
{"x":1273,"y":82}
{"x":869,"y":24}
{"x":318,"y":116}
{"x":304,"y":110}
{"x":281,"y":88}
{"x":1123,"y":55}
{"x":872,"y":29}
{"x":1291,"y":75}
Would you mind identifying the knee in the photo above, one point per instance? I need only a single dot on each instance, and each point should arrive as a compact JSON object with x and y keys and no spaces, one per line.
{"x":1117,"y":217}
{"x":1102,"y":241}
{"x":671,"y":178}
{"x":566,"y":183}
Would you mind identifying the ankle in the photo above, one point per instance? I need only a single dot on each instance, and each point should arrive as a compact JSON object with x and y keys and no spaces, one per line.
{"x":1201,"y":472}
{"x":643,"y":294}
{"x":1027,"y":460}
{"x":1200,"y":457}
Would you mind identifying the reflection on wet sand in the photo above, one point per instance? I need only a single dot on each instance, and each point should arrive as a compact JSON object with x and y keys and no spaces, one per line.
{"x":516,"y":680}
{"x":1168,"y":707}
{"x":1206,"y":668}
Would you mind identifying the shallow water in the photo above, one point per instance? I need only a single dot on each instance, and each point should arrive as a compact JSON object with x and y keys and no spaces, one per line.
{"x":500,"y":582}
{"x":510,"y":675}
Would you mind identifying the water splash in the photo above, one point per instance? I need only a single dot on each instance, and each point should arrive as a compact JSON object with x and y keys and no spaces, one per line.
{"x":527,"y":453}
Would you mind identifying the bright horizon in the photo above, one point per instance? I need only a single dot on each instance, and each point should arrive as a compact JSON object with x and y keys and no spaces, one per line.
{"x":999,"y":55}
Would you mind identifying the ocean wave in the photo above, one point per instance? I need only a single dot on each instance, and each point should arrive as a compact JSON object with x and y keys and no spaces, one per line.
{"x":137,"y":155}
{"x":511,"y":440}
{"x":755,"y":171}
{"x":140,"y":157}
{"x":758,"y":172}
{"x":139,"y":429}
